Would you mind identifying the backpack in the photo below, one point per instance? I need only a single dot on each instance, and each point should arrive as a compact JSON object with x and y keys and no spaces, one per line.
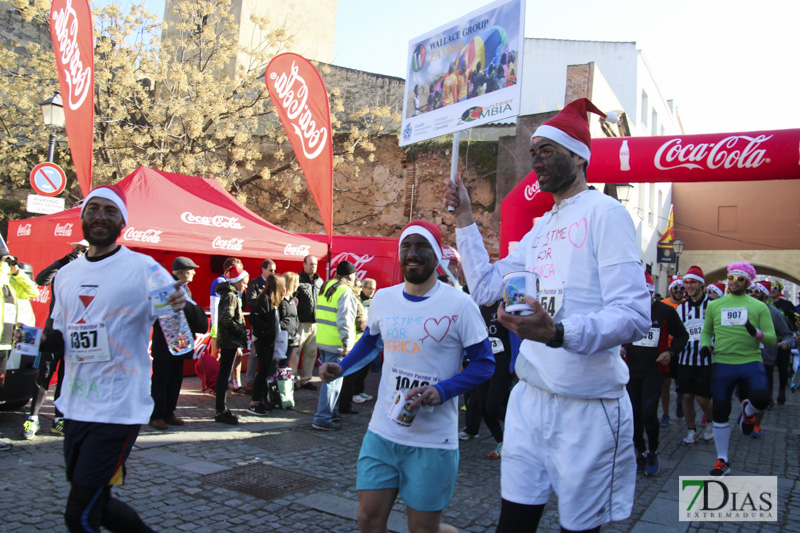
{"x":207,"y":368}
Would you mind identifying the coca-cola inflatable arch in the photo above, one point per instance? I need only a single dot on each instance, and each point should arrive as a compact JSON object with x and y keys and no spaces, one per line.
{"x":750,"y":156}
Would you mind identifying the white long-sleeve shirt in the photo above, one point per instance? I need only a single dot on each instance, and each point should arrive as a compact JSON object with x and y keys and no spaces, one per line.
{"x":586,"y":248}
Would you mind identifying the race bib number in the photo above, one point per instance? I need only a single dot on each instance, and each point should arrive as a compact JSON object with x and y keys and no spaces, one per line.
{"x":9,"y":313}
{"x":497,"y":345}
{"x":405,"y":380}
{"x":651,"y":339}
{"x":87,"y":343}
{"x":551,"y":299}
{"x":735,"y":316}
{"x":695,"y":328}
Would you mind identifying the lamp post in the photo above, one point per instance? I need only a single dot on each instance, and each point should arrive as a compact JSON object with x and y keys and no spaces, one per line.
{"x":624,"y":192}
{"x":677,"y":247}
{"x":53,"y":117}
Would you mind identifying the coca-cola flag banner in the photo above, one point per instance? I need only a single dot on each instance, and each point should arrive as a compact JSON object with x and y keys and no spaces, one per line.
{"x":749,"y":156}
{"x":465,"y":73}
{"x":71,"y":31}
{"x":301,"y":100}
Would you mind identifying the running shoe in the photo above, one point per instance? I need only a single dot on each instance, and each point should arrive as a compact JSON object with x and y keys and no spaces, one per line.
{"x":690,"y":439}
{"x":326,"y":426}
{"x":241,"y":391}
{"x":358,"y":399}
{"x":29,"y":429}
{"x":704,"y":421}
{"x":708,"y":433}
{"x":756,"y":432}
{"x":746,"y":424}
{"x":463,"y":435}
{"x":336,"y":416}
{"x":678,"y":408}
{"x":58,"y":427}
{"x":226,"y":417}
{"x":721,"y":468}
{"x":793,"y":387}
{"x":258,"y":410}
{"x":665,"y":421}
{"x":366,"y":396}
{"x":5,"y":446}
{"x":641,"y":461}
{"x":498,"y":451}
{"x":651,"y":467}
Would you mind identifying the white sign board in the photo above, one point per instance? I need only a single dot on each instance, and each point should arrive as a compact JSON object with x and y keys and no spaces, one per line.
{"x":465,"y":73}
{"x":44,"y":204}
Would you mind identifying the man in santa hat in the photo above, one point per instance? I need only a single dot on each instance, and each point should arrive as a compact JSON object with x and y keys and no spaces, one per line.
{"x":425,"y":328}
{"x":569,"y":425}
{"x":102,"y":322}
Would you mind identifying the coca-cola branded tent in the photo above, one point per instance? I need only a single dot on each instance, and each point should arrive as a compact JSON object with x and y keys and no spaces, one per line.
{"x":749,"y":156}
{"x":168,"y":215}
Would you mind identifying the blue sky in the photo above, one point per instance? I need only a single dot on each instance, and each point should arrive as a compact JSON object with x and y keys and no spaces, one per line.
{"x":729,"y":65}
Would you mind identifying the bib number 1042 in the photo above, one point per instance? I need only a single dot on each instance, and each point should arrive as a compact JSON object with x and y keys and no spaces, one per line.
{"x":402,"y":382}
{"x":83,"y":339}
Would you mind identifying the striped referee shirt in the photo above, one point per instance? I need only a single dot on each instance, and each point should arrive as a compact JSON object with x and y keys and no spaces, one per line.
{"x":693,"y":315}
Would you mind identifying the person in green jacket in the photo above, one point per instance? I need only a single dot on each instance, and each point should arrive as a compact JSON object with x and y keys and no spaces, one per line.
{"x":738,"y":325}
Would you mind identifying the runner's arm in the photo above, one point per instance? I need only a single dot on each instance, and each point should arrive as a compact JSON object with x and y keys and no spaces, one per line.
{"x":678,"y":331}
{"x":484,"y":279}
{"x":766,"y":326}
{"x":480,"y":368}
{"x":363,"y":353}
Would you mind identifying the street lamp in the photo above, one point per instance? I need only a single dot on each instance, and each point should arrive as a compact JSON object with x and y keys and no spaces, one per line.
{"x":624,"y":191}
{"x":53,"y":116}
{"x":677,"y":247}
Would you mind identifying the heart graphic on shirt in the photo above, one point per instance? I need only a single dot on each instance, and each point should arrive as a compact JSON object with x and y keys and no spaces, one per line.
{"x":577,"y":233}
{"x":437,"y":329}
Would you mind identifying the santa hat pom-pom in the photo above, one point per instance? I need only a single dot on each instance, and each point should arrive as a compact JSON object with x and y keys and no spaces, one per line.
{"x":611,"y":117}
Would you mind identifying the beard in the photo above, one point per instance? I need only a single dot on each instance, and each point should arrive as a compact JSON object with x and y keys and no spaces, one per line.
{"x":562,"y":174}
{"x":418,"y":275}
{"x":101,"y":233}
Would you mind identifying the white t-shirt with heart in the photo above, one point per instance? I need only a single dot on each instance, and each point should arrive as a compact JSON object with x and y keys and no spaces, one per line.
{"x":423,"y":343}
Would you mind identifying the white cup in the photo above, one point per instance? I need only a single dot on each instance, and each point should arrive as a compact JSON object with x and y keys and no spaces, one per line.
{"x":516,"y":286}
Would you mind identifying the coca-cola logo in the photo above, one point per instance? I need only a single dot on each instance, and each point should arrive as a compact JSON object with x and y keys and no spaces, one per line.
{"x":292,"y":93}
{"x":78,"y":77}
{"x":148,"y":235}
{"x":450,"y":253}
{"x":216,"y":221}
{"x":740,"y":151}
{"x":227,"y":244}
{"x":532,"y":190}
{"x":300,"y":250}
{"x":44,"y":295}
{"x":63,"y":230}
{"x":23,"y":230}
{"x":360,"y":262}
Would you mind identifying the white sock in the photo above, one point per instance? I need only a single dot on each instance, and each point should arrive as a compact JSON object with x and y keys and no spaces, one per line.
{"x":34,"y":418}
{"x":237,"y":383}
{"x":722,"y":434}
{"x":750,"y":411}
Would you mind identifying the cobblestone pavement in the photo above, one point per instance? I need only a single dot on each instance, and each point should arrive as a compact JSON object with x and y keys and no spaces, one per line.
{"x":277,"y":474}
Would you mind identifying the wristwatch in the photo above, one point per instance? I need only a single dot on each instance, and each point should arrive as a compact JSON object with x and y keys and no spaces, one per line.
{"x":558,"y":338}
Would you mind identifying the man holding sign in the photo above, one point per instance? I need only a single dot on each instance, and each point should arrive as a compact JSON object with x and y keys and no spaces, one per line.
{"x":569,"y":425}
{"x":738,"y":323}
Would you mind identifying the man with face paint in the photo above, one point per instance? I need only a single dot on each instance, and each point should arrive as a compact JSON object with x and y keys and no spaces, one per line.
{"x":424,"y":327}
{"x":738,"y":323}
{"x":569,"y":425}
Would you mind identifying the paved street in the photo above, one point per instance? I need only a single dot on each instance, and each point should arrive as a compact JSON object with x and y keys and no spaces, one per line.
{"x":276,"y":474}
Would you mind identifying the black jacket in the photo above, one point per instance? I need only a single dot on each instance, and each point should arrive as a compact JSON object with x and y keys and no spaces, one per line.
{"x":254,"y":288}
{"x":642,"y":359}
{"x":231,"y":330}
{"x":287,"y":311}
{"x":262,"y":318}
{"x":307,"y":293}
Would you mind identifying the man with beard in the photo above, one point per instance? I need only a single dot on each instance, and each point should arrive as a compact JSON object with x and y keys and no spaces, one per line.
{"x":102,"y":321}
{"x":424,"y":328}
{"x":738,"y":324}
{"x":569,"y":426}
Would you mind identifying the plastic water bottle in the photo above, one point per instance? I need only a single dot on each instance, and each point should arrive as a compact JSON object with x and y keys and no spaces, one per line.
{"x":177,"y":332}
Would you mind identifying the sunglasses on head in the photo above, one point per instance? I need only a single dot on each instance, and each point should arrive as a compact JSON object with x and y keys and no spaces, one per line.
{"x":740,"y":279}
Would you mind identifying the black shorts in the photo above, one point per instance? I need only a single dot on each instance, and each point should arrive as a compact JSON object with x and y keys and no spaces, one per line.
{"x":95,"y":453}
{"x":695,"y":380}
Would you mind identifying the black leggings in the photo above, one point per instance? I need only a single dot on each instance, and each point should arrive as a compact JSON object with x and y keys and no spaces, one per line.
{"x":490,"y":399}
{"x":782,"y":362}
{"x":88,"y":508}
{"x":521,"y":518}
{"x":49,"y":363}
{"x":226,"y":357}
{"x":264,"y":352}
{"x":644,"y":391}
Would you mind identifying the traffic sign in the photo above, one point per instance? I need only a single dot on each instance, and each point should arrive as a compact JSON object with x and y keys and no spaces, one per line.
{"x":44,"y":205}
{"x":48,"y":179}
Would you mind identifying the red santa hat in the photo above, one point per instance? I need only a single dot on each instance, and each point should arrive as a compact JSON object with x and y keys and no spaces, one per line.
{"x":718,"y":288}
{"x":674,"y":281}
{"x":695,"y":273}
{"x":235,"y":273}
{"x":431,"y":232}
{"x":763,"y":286}
{"x":648,"y":280}
{"x":109,"y":192}
{"x":570,"y":128}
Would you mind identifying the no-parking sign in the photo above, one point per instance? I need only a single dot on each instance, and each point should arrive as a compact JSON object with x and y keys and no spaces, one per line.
{"x":48,"y":179}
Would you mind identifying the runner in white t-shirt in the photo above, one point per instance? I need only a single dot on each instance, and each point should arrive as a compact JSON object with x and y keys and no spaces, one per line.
{"x":569,"y":426}
{"x":101,"y":321}
{"x":424,"y":328}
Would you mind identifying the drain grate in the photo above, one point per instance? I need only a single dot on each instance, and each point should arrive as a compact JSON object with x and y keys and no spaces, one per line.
{"x":289,"y":441}
{"x":262,"y":481}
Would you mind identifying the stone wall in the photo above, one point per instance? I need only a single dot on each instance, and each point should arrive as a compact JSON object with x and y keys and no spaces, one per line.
{"x":16,"y":34}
